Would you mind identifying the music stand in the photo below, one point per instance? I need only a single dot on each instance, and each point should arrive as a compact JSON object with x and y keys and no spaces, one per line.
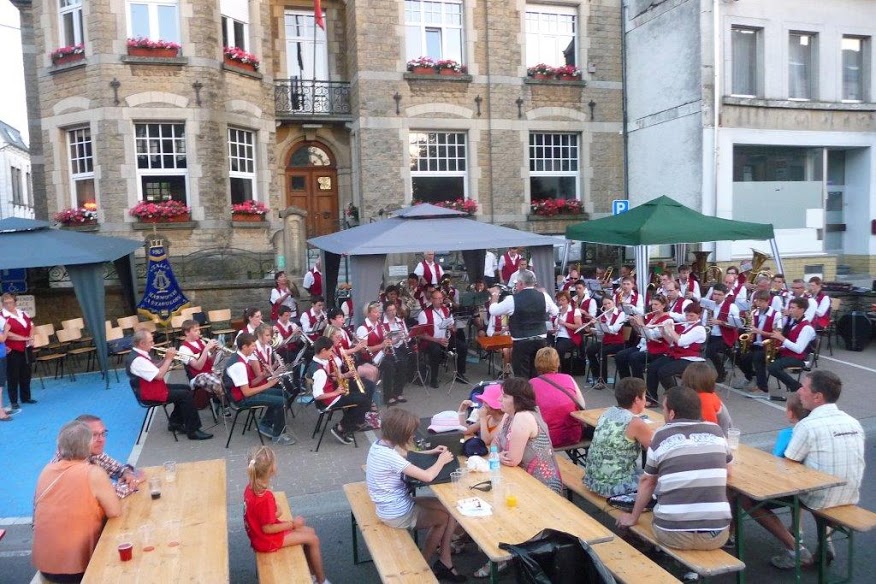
{"x":414,"y":334}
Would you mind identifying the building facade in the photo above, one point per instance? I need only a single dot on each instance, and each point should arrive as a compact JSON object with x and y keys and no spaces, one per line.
{"x":16,"y":192}
{"x":332,"y":118}
{"x":760,"y":111}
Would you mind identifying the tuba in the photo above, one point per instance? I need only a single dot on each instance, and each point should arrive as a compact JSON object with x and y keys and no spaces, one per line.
{"x":757,"y":261}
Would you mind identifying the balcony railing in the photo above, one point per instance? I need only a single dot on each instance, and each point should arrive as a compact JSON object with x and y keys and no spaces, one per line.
{"x":306,"y":98}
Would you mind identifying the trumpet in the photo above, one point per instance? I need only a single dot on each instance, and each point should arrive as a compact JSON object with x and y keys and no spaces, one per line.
{"x":180,"y":358}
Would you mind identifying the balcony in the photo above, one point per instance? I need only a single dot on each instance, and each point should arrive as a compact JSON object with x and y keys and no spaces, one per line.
{"x":305,"y":99}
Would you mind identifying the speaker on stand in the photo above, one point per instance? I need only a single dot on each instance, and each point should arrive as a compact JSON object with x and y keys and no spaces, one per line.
{"x":855,"y":330}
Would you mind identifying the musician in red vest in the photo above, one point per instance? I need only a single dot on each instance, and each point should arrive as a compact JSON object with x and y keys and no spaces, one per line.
{"x":313,"y":279}
{"x":685,"y":342}
{"x":627,"y":295}
{"x":675,"y":302}
{"x":795,"y":340}
{"x":147,"y":380}
{"x":798,"y":290}
{"x":567,"y":323}
{"x":688,"y":286}
{"x":283,"y":293}
{"x":764,"y":320}
{"x":313,"y":321}
{"x":613,"y":319}
{"x":631,"y":361}
{"x":585,"y":302}
{"x":19,"y":343}
{"x":287,"y":330}
{"x":429,"y":271}
{"x":822,"y":304}
{"x":724,"y":323}
{"x":442,"y":336}
{"x":508,"y":263}
{"x":200,"y":358}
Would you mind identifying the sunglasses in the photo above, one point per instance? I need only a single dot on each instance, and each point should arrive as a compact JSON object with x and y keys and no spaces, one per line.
{"x":483,"y":486}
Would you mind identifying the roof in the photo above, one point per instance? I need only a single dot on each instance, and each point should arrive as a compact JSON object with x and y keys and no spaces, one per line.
{"x":12,"y":136}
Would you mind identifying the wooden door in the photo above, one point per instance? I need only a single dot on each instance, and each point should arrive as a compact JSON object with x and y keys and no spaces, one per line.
{"x":316,"y":191}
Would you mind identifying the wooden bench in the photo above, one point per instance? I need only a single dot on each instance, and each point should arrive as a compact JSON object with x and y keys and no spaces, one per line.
{"x":287,"y":564}
{"x":705,"y":563}
{"x":396,"y":556}
{"x":577,"y":452}
{"x":847,"y":519}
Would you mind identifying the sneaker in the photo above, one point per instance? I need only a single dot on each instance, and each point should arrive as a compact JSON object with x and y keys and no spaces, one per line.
{"x":758,"y":393}
{"x":786,"y":560}
{"x":341,"y":435}
{"x":15,"y":408}
{"x":778,"y":398}
{"x":227,"y":412}
{"x":283,"y":440}
{"x":13,"y":411}
{"x":740,"y":383}
{"x":265,"y":431}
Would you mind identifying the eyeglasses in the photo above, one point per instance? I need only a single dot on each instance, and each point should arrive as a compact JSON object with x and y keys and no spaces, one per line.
{"x":100,"y":434}
{"x":483,"y":486}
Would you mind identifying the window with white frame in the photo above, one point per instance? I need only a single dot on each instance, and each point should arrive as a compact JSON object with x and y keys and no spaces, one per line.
{"x":162,"y":165}
{"x":854,"y":51}
{"x":235,"y":23}
{"x":28,"y":187}
{"x":154,"y":19}
{"x":438,"y":166}
{"x":81,"y":163}
{"x":302,"y":41}
{"x":801,"y":65}
{"x":551,"y":33}
{"x":70,"y":22}
{"x":746,"y":57}
{"x":15,"y":178}
{"x":553,"y":166}
{"x":433,"y":29}
{"x":241,"y":165}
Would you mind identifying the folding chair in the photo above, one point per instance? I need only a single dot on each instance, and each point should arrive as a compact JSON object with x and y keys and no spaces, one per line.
{"x":809,"y":364}
{"x":150,"y":413}
{"x":248,"y":421}
{"x":325,"y":416}
{"x":44,"y":356}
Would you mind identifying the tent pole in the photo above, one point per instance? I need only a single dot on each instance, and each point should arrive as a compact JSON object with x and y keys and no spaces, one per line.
{"x":776,"y":256}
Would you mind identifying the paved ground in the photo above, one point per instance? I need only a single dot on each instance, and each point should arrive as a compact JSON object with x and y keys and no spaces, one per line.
{"x":313,"y":480}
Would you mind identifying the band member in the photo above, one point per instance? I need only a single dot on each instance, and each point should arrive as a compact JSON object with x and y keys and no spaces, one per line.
{"x":313,"y":321}
{"x":451,"y":294}
{"x":777,"y":286}
{"x":391,"y":295}
{"x":688,"y":286}
{"x":283,"y":293}
{"x":372,"y":332}
{"x":313,"y":279}
{"x":264,"y":352}
{"x":685,"y":342}
{"x":249,"y":388}
{"x":345,"y":300}
{"x":396,"y":365}
{"x":665,"y":278}
{"x":353,"y":347}
{"x":429,"y":271}
{"x":498,"y":325}
{"x":795,"y":340}
{"x":571,"y":279}
{"x":592,"y":283}
{"x":491,"y":268}
{"x":631,"y":361}
{"x":287,"y":331}
{"x":200,"y":358}
{"x":724,"y":328}
{"x":19,"y":344}
{"x":442,"y":336}
{"x":628,"y":296}
{"x":147,"y":380}
{"x":522,"y":266}
{"x":625,"y":272}
{"x":764,"y":320}
{"x":822,"y":304}
{"x":252,"y":318}
{"x":738,"y":283}
{"x":324,"y":374}
{"x":508,"y":264}
{"x":585,"y":302}
{"x":567,"y":325}
{"x":761,"y":283}
{"x":798,"y":290}
{"x":426,"y":296}
{"x":613,"y":318}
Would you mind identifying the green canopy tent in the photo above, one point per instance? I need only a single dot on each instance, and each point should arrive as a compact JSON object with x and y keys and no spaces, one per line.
{"x":666,"y":221}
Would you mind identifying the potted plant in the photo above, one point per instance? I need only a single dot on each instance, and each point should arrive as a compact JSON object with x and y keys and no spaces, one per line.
{"x":163,"y":212}
{"x":143,"y":47}
{"x":78,"y":216}
{"x":352,"y":214}
{"x":551,"y":207}
{"x":450,"y":67}
{"x":249,"y":212}
{"x":239,"y":58}
{"x":568,"y":73}
{"x":422,"y":66}
{"x":540,"y":71}
{"x":69,"y":54}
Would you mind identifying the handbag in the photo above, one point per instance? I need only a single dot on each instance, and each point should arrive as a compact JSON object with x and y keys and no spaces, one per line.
{"x":564,"y":390}
{"x":556,"y":557}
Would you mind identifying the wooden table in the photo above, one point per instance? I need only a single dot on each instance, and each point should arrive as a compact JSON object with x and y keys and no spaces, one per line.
{"x":590,"y":417}
{"x":538,"y":508}
{"x":196,"y":499}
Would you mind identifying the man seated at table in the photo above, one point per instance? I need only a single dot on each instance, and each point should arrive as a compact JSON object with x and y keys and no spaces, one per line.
{"x":147,"y":380}
{"x":827,"y":440}
{"x":688,"y":464}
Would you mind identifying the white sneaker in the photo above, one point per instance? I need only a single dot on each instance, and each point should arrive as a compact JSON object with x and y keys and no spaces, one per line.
{"x":786,"y":560}
{"x":740,"y":383}
{"x":283,"y":440}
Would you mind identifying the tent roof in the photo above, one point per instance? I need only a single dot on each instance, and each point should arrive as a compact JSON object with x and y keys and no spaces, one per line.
{"x":422,"y":227}
{"x":26,"y":243}
{"x":664,"y":220}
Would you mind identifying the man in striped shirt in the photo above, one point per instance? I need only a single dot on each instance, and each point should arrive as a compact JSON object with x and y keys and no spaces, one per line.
{"x":687,"y":467}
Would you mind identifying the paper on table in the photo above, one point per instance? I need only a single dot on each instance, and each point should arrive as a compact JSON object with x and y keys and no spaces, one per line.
{"x":474,"y":507}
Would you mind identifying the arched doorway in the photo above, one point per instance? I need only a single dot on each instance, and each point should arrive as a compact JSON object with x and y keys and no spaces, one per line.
{"x":312,"y":184}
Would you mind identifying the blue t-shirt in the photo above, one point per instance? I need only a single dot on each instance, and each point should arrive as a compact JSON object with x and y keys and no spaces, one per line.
{"x":782,"y":441}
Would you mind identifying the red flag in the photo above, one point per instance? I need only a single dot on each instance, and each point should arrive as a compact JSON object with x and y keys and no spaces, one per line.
{"x":317,"y":14}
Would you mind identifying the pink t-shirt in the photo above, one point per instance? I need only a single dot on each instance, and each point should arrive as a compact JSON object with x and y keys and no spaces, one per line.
{"x":555,"y":407}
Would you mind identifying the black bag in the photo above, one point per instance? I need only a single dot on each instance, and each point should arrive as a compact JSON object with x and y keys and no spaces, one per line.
{"x":556,"y":557}
{"x":474,"y":446}
{"x":426,"y":461}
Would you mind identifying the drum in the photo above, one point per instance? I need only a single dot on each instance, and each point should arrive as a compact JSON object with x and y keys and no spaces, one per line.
{"x":856,"y":330}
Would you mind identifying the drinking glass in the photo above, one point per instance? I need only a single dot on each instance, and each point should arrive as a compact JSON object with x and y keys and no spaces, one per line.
{"x":510,"y":496}
{"x":172,"y":532}
{"x":733,"y":435}
{"x":170,"y":471}
{"x":147,"y":541}
{"x":155,"y":487}
{"x":456,"y":480}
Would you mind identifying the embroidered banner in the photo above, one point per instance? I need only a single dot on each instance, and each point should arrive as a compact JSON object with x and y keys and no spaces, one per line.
{"x":163,"y":295}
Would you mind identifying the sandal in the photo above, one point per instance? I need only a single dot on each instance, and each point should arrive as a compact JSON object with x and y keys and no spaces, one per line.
{"x":392,"y":401}
{"x":402,"y":399}
{"x":484,"y":571}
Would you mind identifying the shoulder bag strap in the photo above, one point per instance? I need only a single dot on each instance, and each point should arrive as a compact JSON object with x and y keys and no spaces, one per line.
{"x":564,"y":390}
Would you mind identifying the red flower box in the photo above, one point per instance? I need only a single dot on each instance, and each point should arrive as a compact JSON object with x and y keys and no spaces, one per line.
{"x":71,"y":58}
{"x":450,"y":72}
{"x":239,"y":64}
{"x":247,"y":218}
{"x":172,"y":219}
{"x":154,"y":53}
{"x":423,"y":71}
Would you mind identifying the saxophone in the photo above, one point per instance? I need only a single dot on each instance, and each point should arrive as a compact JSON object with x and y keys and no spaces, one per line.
{"x":343,"y":383}
{"x":746,"y":339}
{"x":770,"y":350}
{"x":351,"y":365}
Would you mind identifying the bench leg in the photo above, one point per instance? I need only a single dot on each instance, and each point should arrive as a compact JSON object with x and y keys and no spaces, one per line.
{"x":822,"y":526}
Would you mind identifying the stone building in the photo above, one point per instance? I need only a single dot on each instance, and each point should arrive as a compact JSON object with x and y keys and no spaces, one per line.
{"x":16,"y":192}
{"x":331,"y":118}
{"x":760,"y":111}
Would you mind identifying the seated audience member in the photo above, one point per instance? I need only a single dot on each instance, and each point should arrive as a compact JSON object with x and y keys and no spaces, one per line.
{"x":557,"y":396}
{"x":71,"y":502}
{"x":489,"y":414}
{"x":795,"y":412}
{"x":385,"y":472}
{"x":618,"y":440}
{"x":702,"y":378}
{"x":687,"y":465}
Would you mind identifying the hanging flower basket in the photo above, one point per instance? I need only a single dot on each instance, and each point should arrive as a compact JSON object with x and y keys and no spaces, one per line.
{"x":143,"y":47}
{"x":69,"y":54}
{"x":239,"y":58}
{"x":164,"y":212}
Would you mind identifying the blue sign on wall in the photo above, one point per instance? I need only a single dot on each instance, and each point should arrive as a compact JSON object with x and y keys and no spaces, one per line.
{"x":13,"y":281}
{"x":619,"y":206}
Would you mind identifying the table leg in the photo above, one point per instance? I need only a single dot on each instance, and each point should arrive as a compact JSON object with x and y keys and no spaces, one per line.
{"x":355,"y":540}
{"x":795,"y":531}
{"x":494,"y":572}
{"x":740,"y":575}
{"x":821,"y":531}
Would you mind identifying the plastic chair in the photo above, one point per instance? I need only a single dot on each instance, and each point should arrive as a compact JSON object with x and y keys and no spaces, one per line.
{"x":74,"y":336}
{"x":57,"y":355}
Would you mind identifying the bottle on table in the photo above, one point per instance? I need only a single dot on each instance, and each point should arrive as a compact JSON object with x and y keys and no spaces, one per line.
{"x":495,"y":468}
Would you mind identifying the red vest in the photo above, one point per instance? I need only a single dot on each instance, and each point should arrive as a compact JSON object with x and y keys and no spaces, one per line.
{"x":313,"y":319}
{"x":793,"y":335}
{"x":767,"y":324}
{"x":285,"y":331}
{"x":197,"y":347}
{"x":427,"y":273}
{"x":692,"y":350}
{"x":677,"y":306}
{"x":660,"y":346}
{"x":329,"y":382}
{"x":728,"y":333}
{"x":618,"y":297}
{"x":375,"y":337}
{"x":236,"y":393}
{"x":509,"y":267}
{"x":570,"y":318}
{"x":821,"y":321}
{"x":20,"y":329}
{"x":275,"y":307}
{"x":264,"y":354}
{"x":688,"y":286}
{"x":609,"y":338}
{"x":155,"y":390}
{"x":316,"y":287}
{"x":430,"y":320}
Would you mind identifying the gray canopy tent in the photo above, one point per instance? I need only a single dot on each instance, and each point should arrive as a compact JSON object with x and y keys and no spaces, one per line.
{"x":420,"y":228}
{"x":26,"y":243}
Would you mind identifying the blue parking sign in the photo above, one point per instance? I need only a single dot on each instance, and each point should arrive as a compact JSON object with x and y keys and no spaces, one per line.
{"x":13,"y":281}
{"x":619,"y":206}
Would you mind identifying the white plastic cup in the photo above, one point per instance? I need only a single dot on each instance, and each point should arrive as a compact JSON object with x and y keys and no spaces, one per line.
{"x":733,"y":435}
{"x":170,"y":471}
{"x":456,"y":480}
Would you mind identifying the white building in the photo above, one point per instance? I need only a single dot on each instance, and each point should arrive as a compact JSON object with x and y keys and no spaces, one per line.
{"x":792,"y":84}
{"x":16,"y":192}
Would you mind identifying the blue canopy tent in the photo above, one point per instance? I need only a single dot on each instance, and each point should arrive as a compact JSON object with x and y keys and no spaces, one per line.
{"x":26,"y":243}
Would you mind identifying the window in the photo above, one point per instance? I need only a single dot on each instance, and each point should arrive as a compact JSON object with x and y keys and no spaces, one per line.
{"x":553,"y":166}
{"x":434,"y":29}
{"x":162,"y":167}
{"x":241,"y":165}
{"x":28,"y":185}
{"x":15,"y":177}
{"x":70,"y":19}
{"x":235,"y":23}
{"x":854,"y":80}
{"x":550,"y":35}
{"x":154,"y":19}
{"x":746,"y":61}
{"x":438,"y":166}
{"x":801,"y":65}
{"x":300,"y":47}
{"x":81,"y":166}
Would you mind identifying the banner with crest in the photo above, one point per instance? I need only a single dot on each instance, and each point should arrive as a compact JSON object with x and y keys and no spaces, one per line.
{"x":162,"y":296}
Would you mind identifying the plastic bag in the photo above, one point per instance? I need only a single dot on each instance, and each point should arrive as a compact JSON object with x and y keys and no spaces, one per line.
{"x":556,"y":557}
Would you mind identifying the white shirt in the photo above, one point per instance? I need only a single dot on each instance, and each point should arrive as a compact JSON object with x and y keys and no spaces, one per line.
{"x":491,"y":264}
{"x":440,"y":323}
{"x":694,"y":289}
{"x":513,"y":261}
{"x":638,"y":307}
{"x":432,"y":268}
{"x":678,"y":316}
{"x":762,"y":318}
{"x":308,"y":278}
{"x":19,"y":316}
{"x":143,"y":367}
{"x":507,"y":307}
{"x":733,"y":319}
{"x":320,"y":377}
{"x":288,"y":301}
{"x":562,"y":330}
{"x":806,"y":336}
{"x":810,"y":310}
{"x":512,"y":281}
{"x":776,"y":303}
{"x":696,"y":334}
{"x":237,"y":371}
{"x":822,"y":307}
{"x":308,"y":324}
